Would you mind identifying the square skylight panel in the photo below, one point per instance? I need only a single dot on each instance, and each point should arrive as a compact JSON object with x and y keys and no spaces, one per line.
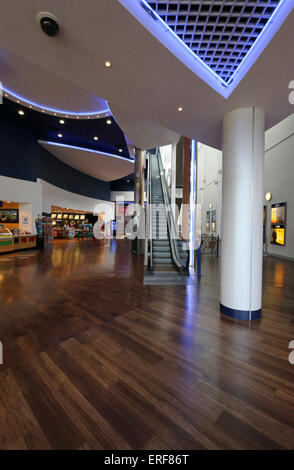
{"x":221,"y":32}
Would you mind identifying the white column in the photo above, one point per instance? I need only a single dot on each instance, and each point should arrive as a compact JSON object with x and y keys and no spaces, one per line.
{"x":242,"y":214}
{"x":173,"y":179}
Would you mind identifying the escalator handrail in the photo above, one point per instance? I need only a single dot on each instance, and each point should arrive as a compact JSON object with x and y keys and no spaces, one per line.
{"x":148,"y":244}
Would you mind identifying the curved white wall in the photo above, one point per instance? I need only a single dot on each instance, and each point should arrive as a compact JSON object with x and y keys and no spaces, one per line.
{"x":35,"y":198}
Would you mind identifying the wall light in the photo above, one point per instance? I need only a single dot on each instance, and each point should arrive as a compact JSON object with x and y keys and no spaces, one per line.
{"x":268,"y":196}
{"x":20,"y":112}
{"x":180,"y":109}
{"x":62,"y":121}
{"x":108,"y":121}
{"x":108,"y":64}
{"x":96,"y":138}
{"x":59,"y":135}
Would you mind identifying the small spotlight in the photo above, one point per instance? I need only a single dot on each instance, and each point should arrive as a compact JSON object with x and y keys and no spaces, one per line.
{"x":20,"y":112}
{"x":108,"y":121}
{"x":108,"y":64}
{"x":180,"y":109}
{"x":62,"y":121}
{"x":60,"y":135}
{"x":96,"y":138}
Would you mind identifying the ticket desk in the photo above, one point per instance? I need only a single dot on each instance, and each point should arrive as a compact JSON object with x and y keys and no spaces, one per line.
{"x":10,"y":242}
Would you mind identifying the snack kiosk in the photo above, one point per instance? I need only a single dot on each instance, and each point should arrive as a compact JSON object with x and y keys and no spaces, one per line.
{"x":10,"y":242}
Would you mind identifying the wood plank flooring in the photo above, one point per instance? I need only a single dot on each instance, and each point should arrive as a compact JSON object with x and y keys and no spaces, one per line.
{"x":94,"y":360}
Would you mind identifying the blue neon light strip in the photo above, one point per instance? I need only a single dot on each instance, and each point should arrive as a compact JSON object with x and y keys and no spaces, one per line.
{"x":73,"y":147}
{"x":192,"y":203}
{"x":53,"y":110}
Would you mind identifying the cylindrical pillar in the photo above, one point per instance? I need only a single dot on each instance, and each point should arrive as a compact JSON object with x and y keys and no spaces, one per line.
{"x":186,"y":189}
{"x":242,"y":214}
{"x":137,"y":244}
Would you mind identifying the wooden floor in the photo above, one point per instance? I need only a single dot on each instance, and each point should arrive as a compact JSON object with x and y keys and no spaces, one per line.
{"x":92,"y":360}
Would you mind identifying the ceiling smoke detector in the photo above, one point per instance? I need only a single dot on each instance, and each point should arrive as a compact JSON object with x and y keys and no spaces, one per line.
{"x":49,"y":23}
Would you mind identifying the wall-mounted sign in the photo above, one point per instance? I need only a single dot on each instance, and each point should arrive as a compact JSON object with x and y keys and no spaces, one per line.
{"x":208,"y":221}
{"x":278,"y":223}
{"x":264,"y":224}
{"x":213,"y":220}
{"x":9,"y":216}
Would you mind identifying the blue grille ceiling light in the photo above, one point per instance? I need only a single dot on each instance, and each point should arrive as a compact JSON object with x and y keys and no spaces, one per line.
{"x":218,"y":40}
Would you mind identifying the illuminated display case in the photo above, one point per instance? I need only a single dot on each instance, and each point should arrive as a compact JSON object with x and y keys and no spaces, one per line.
{"x":53,"y":216}
{"x":278,"y":224}
{"x":5,"y":232}
{"x":65,"y":216}
{"x":6,"y":239}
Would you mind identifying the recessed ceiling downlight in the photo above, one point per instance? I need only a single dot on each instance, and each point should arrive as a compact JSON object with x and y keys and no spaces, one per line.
{"x":20,"y":112}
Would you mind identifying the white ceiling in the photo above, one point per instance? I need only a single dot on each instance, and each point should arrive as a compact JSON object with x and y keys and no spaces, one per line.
{"x":41,"y":86}
{"x":147,"y":82}
{"x":97,"y":164}
{"x":144,"y":133}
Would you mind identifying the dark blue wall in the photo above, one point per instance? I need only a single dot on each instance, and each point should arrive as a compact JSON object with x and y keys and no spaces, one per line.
{"x":22,"y":157}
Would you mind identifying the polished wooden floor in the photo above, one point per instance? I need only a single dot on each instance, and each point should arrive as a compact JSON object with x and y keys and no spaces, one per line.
{"x":94,"y":360}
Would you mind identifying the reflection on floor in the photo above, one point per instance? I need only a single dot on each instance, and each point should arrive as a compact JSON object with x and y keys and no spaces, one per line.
{"x":92,"y":359}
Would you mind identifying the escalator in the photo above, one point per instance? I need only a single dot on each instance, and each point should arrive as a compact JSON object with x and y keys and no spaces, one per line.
{"x":166,"y":253}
